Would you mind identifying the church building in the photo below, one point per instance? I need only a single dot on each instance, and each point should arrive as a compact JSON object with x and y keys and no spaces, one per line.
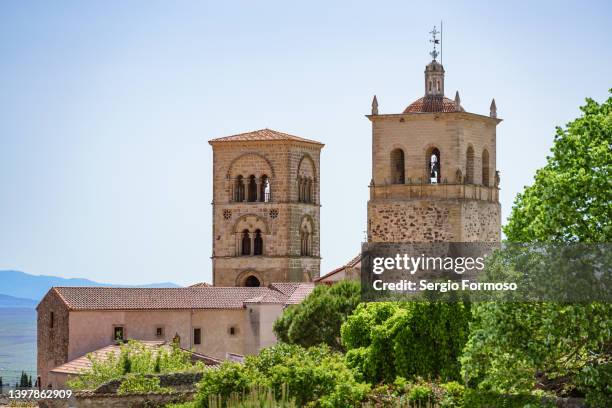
{"x":265,"y":209}
{"x":434,"y":175}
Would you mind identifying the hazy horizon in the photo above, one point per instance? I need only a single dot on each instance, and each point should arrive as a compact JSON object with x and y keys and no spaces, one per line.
{"x":107,"y":107}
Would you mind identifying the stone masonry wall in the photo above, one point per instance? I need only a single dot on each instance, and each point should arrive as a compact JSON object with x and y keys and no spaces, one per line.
{"x":451,"y":133}
{"x":279,"y":219}
{"x":52,"y":342}
{"x":434,"y":221}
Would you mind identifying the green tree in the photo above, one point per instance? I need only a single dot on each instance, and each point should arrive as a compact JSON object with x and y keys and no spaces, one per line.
{"x":317,"y":320}
{"x":410,"y":339}
{"x":515,"y":347}
{"x":571,"y":197}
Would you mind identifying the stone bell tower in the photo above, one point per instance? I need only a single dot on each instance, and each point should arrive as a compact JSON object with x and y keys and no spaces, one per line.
{"x":265,"y":209}
{"x":433,"y":170}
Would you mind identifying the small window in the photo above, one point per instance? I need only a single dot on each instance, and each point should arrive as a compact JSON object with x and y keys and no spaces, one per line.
{"x":159,"y":331}
{"x":118,"y":333}
{"x":232,"y":331}
{"x":197,"y":336}
{"x":51,"y":320}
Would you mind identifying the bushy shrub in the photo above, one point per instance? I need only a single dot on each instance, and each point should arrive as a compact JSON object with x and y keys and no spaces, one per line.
{"x":452,"y":395}
{"x":316,"y":376}
{"x":139,"y":384}
{"x":596,"y":382}
{"x":482,"y":399}
{"x":424,"y":338}
{"x":421,"y":394}
{"x":317,"y":320}
{"x":223,"y":381}
{"x":134,"y":358}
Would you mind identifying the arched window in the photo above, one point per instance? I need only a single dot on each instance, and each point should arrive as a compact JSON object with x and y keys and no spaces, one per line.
{"x":239,"y":189}
{"x":469,"y":165}
{"x":252,"y":196}
{"x":246,"y":243}
{"x":258,"y":243}
{"x":485,"y":168}
{"x":264,"y":186}
{"x":252,"y":282}
{"x":305,"y":190}
{"x":304,"y":241}
{"x":308,"y":191}
{"x":434,"y":166}
{"x":397,"y":166}
{"x":306,"y":237}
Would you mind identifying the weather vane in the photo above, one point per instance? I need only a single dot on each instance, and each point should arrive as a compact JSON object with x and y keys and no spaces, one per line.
{"x":434,"y":33}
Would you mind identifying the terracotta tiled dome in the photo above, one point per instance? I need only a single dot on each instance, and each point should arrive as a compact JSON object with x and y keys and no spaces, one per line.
{"x":433,"y":104}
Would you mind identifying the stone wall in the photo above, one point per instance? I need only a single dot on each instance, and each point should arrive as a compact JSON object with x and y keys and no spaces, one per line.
{"x":278,"y":220}
{"x":183,"y":387}
{"x":434,"y":221}
{"x":481,"y":221}
{"x":451,"y":133}
{"x":52,"y":340}
{"x":415,"y":210}
{"x":417,"y":221}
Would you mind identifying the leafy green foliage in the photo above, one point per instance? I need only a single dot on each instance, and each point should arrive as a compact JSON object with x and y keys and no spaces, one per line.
{"x":385,"y":340}
{"x":519,"y":347}
{"x":420,"y":393}
{"x":596,"y":380}
{"x":134,"y":357}
{"x":482,"y":399}
{"x":317,"y":320}
{"x":316,"y":376}
{"x":139,"y":384}
{"x":516,"y":347}
{"x":570,"y":198}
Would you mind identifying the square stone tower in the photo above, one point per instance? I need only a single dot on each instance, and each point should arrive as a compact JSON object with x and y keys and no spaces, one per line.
{"x":265,"y":209}
{"x":433,"y":171}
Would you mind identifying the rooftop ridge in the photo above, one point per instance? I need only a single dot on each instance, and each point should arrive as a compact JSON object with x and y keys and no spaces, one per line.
{"x":265,"y":134}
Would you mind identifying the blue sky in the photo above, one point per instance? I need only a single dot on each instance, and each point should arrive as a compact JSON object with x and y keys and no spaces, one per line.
{"x":106,"y":108}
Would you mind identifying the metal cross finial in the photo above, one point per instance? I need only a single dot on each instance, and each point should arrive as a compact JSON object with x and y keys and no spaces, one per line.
{"x":435,"y":41}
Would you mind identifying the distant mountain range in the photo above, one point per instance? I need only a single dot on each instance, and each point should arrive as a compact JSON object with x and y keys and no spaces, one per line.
{"x":11,"y":301}
{"x":21,"y":289}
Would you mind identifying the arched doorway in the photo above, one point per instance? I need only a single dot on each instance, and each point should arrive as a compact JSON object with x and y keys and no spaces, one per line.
{"x":252,"y":282}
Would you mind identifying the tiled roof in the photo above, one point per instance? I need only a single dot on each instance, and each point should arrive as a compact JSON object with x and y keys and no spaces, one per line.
{"x":83,"y":363}
{"x":103,"y":298}
{"x":201,"y":285}
{"x":295,"y":292}
{"x":262,"y":135}
{"x":198,"y":297}
{"x":355,"y":262}
{"x":433,"y":104}
{"x":267,"y":298}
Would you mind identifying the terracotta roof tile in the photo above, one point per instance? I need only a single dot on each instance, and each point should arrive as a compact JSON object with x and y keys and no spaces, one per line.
{"x":267,"y":298}
{"x":294,"y":291}
{"x":197,"y":297}
{"x":355,"y":262}
{"x":262,"y":135}
{"x":201,"y":285}
{"x":433,"y":104}
{"x":103,"y":298}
